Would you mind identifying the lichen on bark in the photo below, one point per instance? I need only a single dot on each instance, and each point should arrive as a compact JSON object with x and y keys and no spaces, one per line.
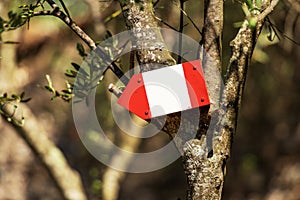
{"x":152,"y":49}
{"x":206,"y":171}
{"x":152,"y":53}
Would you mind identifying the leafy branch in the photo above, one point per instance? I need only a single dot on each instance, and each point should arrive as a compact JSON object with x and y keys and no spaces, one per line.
{"x":86,"y":80}
{"x":17,"y":20}
{"x":88,"y":76}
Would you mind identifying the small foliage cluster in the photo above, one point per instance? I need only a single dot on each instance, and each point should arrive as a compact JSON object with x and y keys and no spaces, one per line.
{"x":9,"y":107}
{"x":67,"y":93}
{"x":17,"y":19}
{"x":87,"y":76}
{"x":83,"y":80}
{"x":14,"y":97}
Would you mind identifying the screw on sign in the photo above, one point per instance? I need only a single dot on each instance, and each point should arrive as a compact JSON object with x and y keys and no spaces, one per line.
{"x":166,"y":90}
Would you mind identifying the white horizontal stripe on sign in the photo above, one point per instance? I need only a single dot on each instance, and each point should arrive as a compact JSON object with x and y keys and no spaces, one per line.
{"x":166,"y":90}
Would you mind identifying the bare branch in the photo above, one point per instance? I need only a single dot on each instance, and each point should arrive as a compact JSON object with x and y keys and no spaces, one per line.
{"x":180,"y":29}
{"x":65,"y":8}
{"x":267,"y":11}
{"x":165,"y":23}
{"x":58,"y":13}
{"x":67,"y":180}
{"x":191,"y":20}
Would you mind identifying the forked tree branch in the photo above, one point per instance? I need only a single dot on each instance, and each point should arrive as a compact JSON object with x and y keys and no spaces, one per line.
{"x":205,"y":164}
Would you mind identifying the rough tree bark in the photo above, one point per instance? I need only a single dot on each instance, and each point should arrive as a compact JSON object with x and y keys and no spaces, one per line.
{"x":205,"y":165}
{"x":141,"y":19}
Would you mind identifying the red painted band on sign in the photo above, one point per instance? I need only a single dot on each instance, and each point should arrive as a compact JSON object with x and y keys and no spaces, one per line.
{"x":134,"y":97}
{"x":195,"y":83}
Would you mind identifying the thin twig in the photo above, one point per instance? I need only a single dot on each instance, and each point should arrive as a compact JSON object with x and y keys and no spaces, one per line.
{"x":165,"y":23}
{"x":192,"y":21}
{"x":86,"y":38}
{"x":267,"y":11}
{"x":113,"y":15}
{"x":131,"y":62}
{"x":181,"y":31}
{"x":65,"y":8}
{"x":182,"y":11}
{"x":275,"y":29}
{"x":58,"y":13}
{"x":155,"y":3}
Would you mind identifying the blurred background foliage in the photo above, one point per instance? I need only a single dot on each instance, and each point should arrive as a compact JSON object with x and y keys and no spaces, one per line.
{"x":265,"y":162}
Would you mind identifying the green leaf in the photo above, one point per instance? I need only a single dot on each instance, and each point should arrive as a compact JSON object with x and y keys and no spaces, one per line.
{"x":49,"y":80}
{"x":2,"y":22}
{"x":53,"y":97}
{"x":71,"y":73}
{"x":250,"y":4}
{"x":69,"y":85}
{"x":81,"y":50}
{"x":272,"y":34}
{"x":76,"y":66}
{"x":22,"y":95}
{"x":67,"y":91}
{"x":14,"y":96}
{"x":49,"y":88}
{"x":25,"y":100}
{"x":79,"y":69}
{"x":258,"y":4}
{"x":10,"y":42}
{"x":108,"y":34}
{"x":11,"y":14}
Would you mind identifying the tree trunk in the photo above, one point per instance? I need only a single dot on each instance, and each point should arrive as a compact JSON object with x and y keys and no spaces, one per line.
{"x":205,"y":156}
{"x":205,"y":165}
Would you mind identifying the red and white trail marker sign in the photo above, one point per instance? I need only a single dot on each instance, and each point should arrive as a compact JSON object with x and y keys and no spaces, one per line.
{"x":166,"y":90}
